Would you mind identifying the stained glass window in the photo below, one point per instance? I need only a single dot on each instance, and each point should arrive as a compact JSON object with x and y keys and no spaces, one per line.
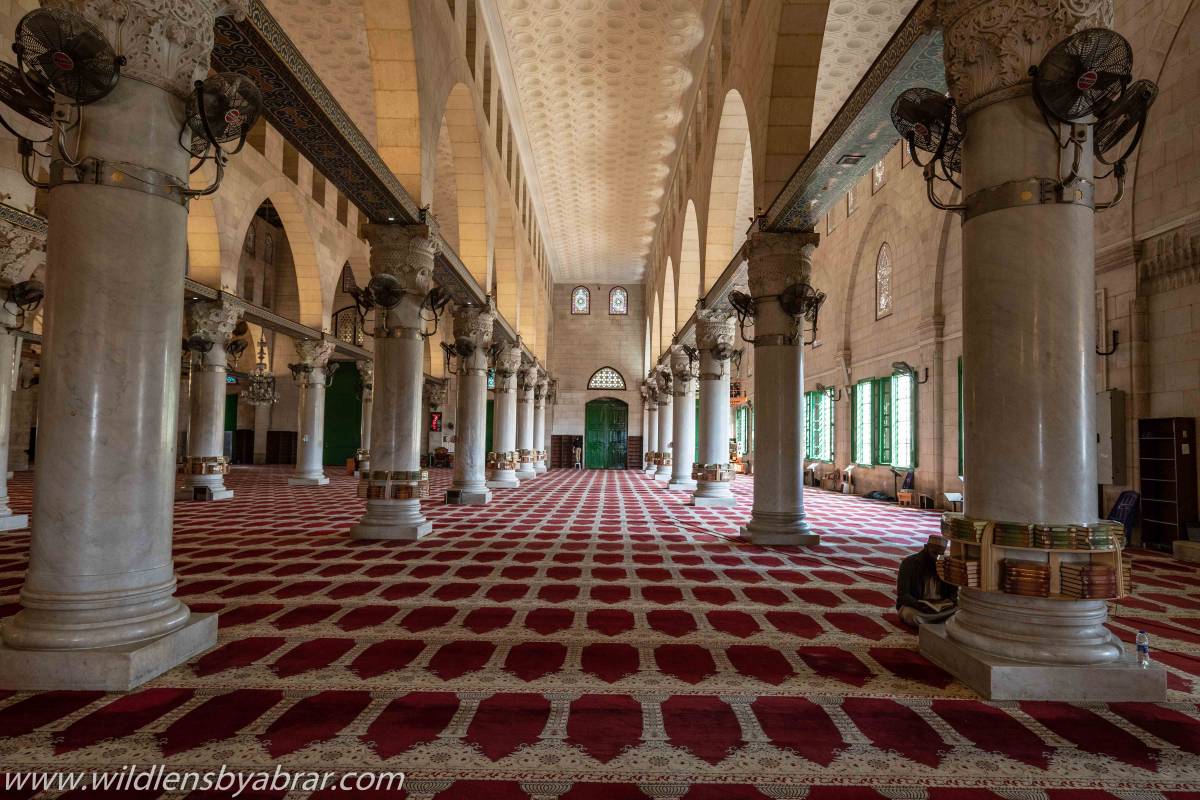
{"x":606,"y":378}
{"x":883,"y":282}
{"x":618,"y":301}
{"x":581,"y":300}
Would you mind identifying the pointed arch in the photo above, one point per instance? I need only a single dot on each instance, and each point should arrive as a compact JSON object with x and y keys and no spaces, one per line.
{"x":655,"y":323}
{"x":669,"y":308}
{"x":731,"y":193}
{"x":527,"y":316}
{"x":204,"y":243}
{"x":445,"y":190}
{"x":689,"y":267}
{"x":462,"y":125}
{"x":509,"y":278}
{"x":397,"y":106}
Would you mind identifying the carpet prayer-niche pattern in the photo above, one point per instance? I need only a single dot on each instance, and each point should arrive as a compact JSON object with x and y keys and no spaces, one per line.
{"x":590,"y":637}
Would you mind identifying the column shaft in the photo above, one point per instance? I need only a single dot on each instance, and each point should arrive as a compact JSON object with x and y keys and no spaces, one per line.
{"x":666,"y":431}
{"x":713,"y":472}
{"x":526,"y":384}
{"x":683,"y":428}
{"x":473,"y":337}
{"x":539,"y":425}
{"x":651,"y":465}
{"x":502,"y":461}
{"x":310,"y":436}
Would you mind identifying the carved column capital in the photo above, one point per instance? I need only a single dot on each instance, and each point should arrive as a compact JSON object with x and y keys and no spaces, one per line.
{"x":662,"y":379}
{"x":166,"y":43}
{"x":314,"y":353}
{"x":541,"y":390}
{"x":214,"y":320}
{"x":778,"y":260}
{"x":991,"y":44}
{"x":435,"y":394}
{"x":508,"y":362}
{"x":681,"y":370}
{"x":474,"y":324}
{"x":405,"y":252}
{"x":366,"y":371}
{"x":714,"y":332}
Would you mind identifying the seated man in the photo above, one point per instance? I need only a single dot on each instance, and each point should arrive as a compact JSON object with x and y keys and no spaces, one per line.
{"x":921,"y":595}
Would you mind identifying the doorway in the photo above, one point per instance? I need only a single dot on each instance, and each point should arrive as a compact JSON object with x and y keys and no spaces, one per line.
{"x":606,"y":431}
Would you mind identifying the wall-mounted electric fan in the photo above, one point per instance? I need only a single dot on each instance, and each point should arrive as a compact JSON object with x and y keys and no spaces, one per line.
{"x":222,"y":109}
{"x":927,"y":120}
{"x":24,"y":297}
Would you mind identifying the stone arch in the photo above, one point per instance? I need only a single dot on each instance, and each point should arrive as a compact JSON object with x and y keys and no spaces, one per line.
{"x":869,"y":242}
{"x":655,"y":325}
{"x":527,"y":314}
{"x":462,"y":126}
{"x":669,"y":308}
{"x":204,"y":243}
{"x":508,"y":277}
{"x":688,"y":283}
{"x":444,"y":204}
{"x":397,"y":105}
{"x":731,"y":192}
{"x":797,"y":59}
{"x":309,"y":285}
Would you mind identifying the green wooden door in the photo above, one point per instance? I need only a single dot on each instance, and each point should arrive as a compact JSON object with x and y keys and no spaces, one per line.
{"x":231,"y":401}
{"x":605,"y":434}
{"x":343,"y":415}
{"x":487,"y":435}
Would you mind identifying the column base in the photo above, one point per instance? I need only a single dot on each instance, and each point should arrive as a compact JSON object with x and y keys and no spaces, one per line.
{"x":650,"y":470}
{"x":713,"y":501}
{"x":468,"y":497}
{"x":503,"y":479}
{"x":14,"y":522}
{"x":202,"y":493}
{"x":663,"y":473}
{"x":108,"y":669}
{"x":526,"y":474}
{"x":298,"y":481}
{"x":997,"y":678}
{"x":539,"y":467}
{"x":780,"y":530}
{"x":392,"y":519}
{"x":682,"y":485}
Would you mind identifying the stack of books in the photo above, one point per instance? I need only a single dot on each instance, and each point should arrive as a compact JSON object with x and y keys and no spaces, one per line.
{"x":1127,"y":574}
{"x":1026,"y":578}
{"x":1101,"y":536}
{"x":1013,"y":534}
{"x":959,"y":571}
{"x":1088,"y":581}
{"x":963,"y":529}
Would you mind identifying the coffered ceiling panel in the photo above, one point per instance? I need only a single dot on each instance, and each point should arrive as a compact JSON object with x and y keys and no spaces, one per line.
{"x":603,"y":85}
{"x":855,"y":33}
{"x":332,"y":37}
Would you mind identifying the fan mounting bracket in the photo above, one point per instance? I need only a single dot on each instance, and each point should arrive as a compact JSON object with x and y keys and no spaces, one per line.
{"x":121,"y":175}
{"x":1029,"y":192}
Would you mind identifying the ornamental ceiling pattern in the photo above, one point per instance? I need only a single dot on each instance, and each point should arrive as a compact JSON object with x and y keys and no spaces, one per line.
{"x":603,"y":85}
{"x":855,"y":33}
{"x":332,"y":37}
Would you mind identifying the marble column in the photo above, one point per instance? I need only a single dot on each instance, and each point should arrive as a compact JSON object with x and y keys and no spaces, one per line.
{"x":362,"y":459}
{"x":472,"y":338}
{"x":310,"y":429}
{"x":713,"y":472}
{"x":99,"y":605}
{"x":526,"y":386}
{"x":778,"y":260}
{"x":644,"y":392}
{"x":1028,"y":363}
{"x":666,"y":426}
{"x":539,"y":423}
{"x":397,"y":483}
{"x":683,"y":397}
{"x":209,"y":325}
{"x":502,"y":460}
{"x":650,"y":393}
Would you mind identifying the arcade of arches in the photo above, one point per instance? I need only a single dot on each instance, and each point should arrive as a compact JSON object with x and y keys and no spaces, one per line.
{"x":590,"y":400}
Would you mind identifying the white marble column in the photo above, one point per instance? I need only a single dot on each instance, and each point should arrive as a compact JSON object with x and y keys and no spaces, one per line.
{"x":526,"y":386}
{"x":209,"y":325}
{"x":666,"y":426}
{"x":502,"y":460}
{"x":650,"y":393}
{"x":310,"y":430}
{"x":713,"y":472}
{"x":362,"y":459}
{"x":397,"y":483}
{"x":99,"y":606}
{"x":539,"y":423}
{"x":9,"y":347}
{"x":778,"y":260}
{"x":1028,"y":365}
{"x":472,"y":338}
{"x":683,"y":397}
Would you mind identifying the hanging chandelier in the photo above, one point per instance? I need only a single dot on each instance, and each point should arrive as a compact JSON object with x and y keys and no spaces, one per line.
{"x":260,"y":386}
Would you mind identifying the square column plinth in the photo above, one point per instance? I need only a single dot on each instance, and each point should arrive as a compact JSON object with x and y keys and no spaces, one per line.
{"x":108,"y":669}
{"x":14,"y":522}
{"x":321,"y":481}
{"x":996,"y":678}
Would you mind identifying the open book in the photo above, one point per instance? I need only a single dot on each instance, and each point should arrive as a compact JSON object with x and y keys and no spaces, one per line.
{"x":934,"y":606}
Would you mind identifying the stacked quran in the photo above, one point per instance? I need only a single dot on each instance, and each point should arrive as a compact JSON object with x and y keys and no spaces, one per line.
{"x":1026,"y":578}
{"x":1013,"y":534}
{"x":959,"y":571}
{"x":1088,"y":581}
{"x":1100,"y":536}
{"x":963,"y":529}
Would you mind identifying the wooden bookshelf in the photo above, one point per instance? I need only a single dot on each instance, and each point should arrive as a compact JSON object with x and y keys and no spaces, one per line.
{"x":1167,"y":466}
{"x":989,"y":554}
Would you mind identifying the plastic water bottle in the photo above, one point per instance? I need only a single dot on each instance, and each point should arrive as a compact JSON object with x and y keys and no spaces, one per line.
{"x":1143,"y":650}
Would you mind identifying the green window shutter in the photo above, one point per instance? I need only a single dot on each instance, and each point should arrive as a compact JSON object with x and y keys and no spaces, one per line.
{"x":832,"y":428}
{"x":810,"y":414}
{"x":883,"y":419}
{"x":960,"y":417}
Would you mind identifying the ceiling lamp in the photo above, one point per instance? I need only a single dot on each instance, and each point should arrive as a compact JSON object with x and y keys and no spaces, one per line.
{"x":260,"y":386}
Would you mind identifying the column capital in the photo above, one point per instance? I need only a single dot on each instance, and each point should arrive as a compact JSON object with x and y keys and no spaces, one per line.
{"x":991,"y":44}
{"x":166,"y":43}
{"x":681,"y":370}
{"x":314,"y":353}
{"x":541,"y":389}
{"x":508,"y":362}
{"x":405,"y":252}
{"x":366,"y":371}
{"x":474,"y":324}
{"x":435,"y":394}
{"x":662,"y":380}
{"x":778,"y":260}
{"x":715,"y":332}
{"x":214,"y":320}
{"x":647,"y":391}
{"x":21,"y":252}
{"x":529,"y":377}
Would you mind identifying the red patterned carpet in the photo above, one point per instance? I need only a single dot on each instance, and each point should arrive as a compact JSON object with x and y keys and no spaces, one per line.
{"x":589,"y":637}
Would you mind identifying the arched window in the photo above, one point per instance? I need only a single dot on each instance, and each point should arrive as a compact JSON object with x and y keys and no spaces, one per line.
{"x":606,"y":378}
{"x":883,"y":282}
{"x":581,"y":300}
{"x":348,"y":282}
{"x":618,"y":300}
